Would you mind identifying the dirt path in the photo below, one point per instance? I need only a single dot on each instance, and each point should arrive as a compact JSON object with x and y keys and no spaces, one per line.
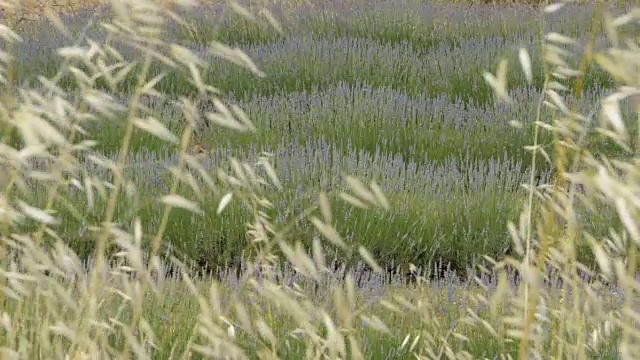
{"x":34,"y":9}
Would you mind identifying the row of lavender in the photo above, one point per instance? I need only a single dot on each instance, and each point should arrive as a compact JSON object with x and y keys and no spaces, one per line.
{"x":429,"y":49}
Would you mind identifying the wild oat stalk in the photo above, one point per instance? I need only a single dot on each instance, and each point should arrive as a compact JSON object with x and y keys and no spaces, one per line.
{"x":556,"y":245}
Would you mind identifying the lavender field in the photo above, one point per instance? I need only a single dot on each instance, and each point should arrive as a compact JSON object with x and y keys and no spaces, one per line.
{"x":357,"y":137}
{"x":386,"y":92}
